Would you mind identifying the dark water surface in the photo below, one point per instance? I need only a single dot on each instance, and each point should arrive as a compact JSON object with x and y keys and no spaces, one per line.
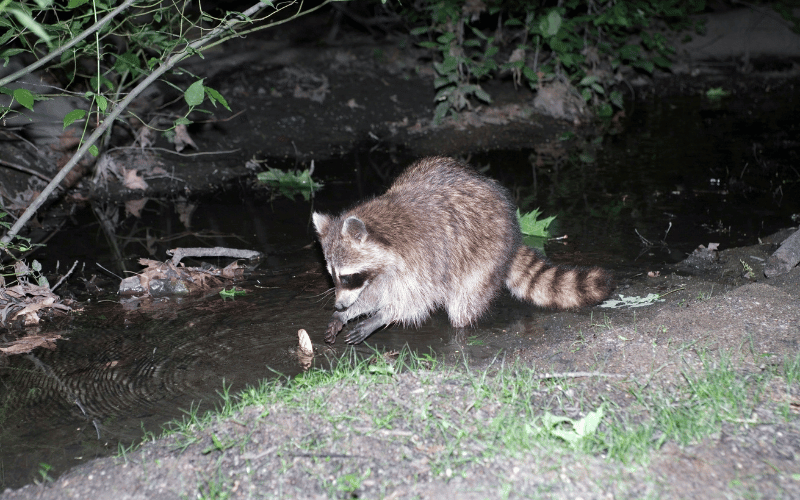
{"x":694,"y":170}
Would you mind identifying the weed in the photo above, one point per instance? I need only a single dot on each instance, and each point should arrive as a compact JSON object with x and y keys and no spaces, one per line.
{"x":583,"y":43}
{"x":531,"y":225}
{"x":291,"y":183}
{"x":44,"y":470}
{"x":747,"y":270}
{"x":214,"y":488}
{"x":475,"y":340}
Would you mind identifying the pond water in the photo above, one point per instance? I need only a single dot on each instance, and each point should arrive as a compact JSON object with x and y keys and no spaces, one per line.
{"x":678,"y":173}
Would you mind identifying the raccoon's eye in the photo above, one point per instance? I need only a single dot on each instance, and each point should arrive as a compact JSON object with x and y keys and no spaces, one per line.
{"x":353,"y":281}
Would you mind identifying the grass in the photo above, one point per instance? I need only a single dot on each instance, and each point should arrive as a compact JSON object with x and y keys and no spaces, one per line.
{"x":465,"y":418}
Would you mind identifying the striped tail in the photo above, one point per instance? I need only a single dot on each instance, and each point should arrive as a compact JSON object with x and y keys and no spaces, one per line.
{"x":532,"y":278}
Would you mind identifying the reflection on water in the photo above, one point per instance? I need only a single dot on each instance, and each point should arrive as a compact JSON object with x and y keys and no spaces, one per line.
{"x":683,"y":171}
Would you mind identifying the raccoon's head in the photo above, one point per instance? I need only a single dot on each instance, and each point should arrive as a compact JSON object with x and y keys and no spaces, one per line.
{"x":352,"y":257}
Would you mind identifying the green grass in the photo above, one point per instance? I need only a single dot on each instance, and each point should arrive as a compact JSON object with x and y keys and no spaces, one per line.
{"x":470,"y":417}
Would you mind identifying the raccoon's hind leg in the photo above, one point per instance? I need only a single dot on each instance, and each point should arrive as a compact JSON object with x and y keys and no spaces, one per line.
{"x":471,"y":299}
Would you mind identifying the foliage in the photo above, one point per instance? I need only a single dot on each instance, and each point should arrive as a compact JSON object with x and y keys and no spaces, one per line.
{"x":582,"y":42}
{"x":531,"y":225}
{"x":108,"y":54}
{"x":578,"y":430}
{"x":232,"y":293}
{"x":292,"y":182}
{"x":19,"y":270}
{"x":716,"y":93}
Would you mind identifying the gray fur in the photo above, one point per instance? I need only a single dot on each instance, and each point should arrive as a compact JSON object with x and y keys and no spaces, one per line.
{"x":442,"y":236}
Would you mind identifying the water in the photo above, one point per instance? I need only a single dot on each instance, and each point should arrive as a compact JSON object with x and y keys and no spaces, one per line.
{"x":679,"y":173}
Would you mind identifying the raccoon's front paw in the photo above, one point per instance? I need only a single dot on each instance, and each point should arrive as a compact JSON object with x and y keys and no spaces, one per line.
{"x":334,"y":327}
{"x":358,"y":334}
{"x":364,"y":329}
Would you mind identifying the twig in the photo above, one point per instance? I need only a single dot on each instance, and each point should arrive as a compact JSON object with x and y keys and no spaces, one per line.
{"x":65,"y":276}
{"x":108,"y":271}
{"x":179,"y":253}
{"x":545,"y":376}
{"x":25,"y":169}
{"x":644,"y":240}
{"x":166,"y":150}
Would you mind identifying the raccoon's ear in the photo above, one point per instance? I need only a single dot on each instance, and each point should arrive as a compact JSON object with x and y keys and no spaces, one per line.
{"x":354,"y":228}
{"x":321,"y":223}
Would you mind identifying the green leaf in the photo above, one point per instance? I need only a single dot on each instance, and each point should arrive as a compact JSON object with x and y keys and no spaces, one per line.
{"x":662,"y":62}
{"x":552,"y":24}
{"x":76,"y":3}
{"x":233,"y":292}
{"x":94,"y":151}
{"x":446,"y":38}
{"x":645,"y":65}
{"x":42,"y":281}
{"x":102,"y":102}
{"x":440,"y":112}
{"x":8,"y":35}
{"x":182,"y":121}
{"x":531,"y":224}
{"x":429,"y":45}
{"x":588,"y":424}
{"x":483,"y":95}
{"x":604,"y":111}
{"x":630,"y":52}
{"x":419,"y":31}
{"x":717,"y":93}
{"x":26,"y":20}
{"x":194,"y":94}
{"x":216,"y":97}
{"x":73,"y":116}
{"x":128,"y":62}
{"x":24,"y":97}
{"x":616,"y":99}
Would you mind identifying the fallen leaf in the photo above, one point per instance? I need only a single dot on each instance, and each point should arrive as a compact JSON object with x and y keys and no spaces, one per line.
{"x":144,"y":137}
{"x":134,"y":207}
{"x":132,"y":179}
{"x":182,"y":139}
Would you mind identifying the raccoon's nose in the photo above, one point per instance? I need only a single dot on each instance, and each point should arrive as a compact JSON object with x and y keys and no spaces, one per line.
{"x":339,"y":307}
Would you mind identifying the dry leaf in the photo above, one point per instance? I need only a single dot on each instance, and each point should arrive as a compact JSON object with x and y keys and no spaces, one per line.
{"x":134,"y":207}
{"x":144,"y":137}
{"x":132,"y":179}
{"x":185,"y":211}
{"x":182,"y":139}
{"x":353,"y":105}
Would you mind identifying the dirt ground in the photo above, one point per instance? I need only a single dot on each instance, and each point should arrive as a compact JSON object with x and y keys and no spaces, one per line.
{"x":359,"y":95}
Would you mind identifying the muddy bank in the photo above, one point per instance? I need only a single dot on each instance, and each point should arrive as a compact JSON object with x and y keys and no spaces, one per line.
{"x":419,"y":432}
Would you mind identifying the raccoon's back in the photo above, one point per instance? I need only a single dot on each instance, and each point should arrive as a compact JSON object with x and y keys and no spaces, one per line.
{"x":442,"y":216}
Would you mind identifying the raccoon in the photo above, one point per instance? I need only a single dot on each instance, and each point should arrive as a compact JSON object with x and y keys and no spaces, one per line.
{"x":443,"y":235}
